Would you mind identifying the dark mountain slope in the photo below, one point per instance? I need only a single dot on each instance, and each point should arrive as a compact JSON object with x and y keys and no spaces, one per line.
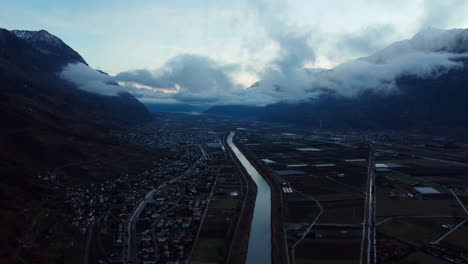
{"x":17,"y":56}
{"x":27,"y":71}
{"x":418,"y":104}
{"x":36,"y":105}
{"x":48,"y":124}
{"x":50,"y":45}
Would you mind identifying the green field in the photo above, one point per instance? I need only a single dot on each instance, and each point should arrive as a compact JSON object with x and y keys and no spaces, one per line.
{"x":328,"y":251}
{"x":420,"y":162}
{"x":335,"y":261}
{"x":419,"y":257}
{"x":388,"y":207}
{"x":405,"y":178}
{"x":207,"y":249}
{"x":412,"y":231}
{"x":223,"y":203}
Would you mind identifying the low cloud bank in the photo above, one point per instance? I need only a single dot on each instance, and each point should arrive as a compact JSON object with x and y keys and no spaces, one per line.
{"x":89,"y":79}
{"x":353,"y":78}
{"x":196,"y":79}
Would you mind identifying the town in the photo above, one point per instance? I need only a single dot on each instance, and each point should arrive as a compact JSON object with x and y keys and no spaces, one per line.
{"x":192,"y":204}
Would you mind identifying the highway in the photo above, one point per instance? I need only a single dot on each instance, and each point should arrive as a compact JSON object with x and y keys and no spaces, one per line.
{"x":368,"y":244}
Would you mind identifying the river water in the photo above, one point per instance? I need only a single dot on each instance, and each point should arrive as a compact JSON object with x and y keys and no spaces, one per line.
{"x":259,"y":249}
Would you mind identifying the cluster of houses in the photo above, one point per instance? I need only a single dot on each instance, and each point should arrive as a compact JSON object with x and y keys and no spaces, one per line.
{"x":169,"y":224}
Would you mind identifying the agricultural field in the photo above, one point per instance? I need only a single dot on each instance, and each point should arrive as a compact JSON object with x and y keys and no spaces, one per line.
{"x":415,"y":196}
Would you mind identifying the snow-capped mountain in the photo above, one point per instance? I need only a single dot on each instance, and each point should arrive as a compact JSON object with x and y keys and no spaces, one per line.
{"x":29,"y":63}
{"x":39,"y":36}
{"x":50,"y":45}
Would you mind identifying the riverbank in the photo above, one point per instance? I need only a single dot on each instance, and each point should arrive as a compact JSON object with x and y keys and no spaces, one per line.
{"x":279,"y":252}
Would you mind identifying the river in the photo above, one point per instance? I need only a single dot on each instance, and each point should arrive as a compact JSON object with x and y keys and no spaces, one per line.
{"x":259,"y":248}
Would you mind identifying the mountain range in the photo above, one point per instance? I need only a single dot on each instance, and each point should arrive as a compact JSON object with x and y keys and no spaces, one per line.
{"x":433,"y":100}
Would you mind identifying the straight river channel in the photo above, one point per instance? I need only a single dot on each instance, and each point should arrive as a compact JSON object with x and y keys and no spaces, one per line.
{"x":259,"y":249}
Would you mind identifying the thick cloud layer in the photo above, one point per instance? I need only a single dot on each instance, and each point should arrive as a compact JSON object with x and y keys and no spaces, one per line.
{"x":353,"y":78}
{"x":184,"y":79}
{"x":196,"y":79}
{"x":201,"y":80}
{"x":90,"y":80}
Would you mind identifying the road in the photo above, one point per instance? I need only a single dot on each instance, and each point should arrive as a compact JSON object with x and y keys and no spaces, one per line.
{"x":205,"y":155}
{"x":164,"y":126}
{"x":89,"y":238}
{"x":131,"y":245}
{"x":457,"y":226}
{"x":459,"y":201}
{"x":368,"y":244}
{"x":450,"y":231}
{"x":204,"y":215}
{"x":293,"y":249}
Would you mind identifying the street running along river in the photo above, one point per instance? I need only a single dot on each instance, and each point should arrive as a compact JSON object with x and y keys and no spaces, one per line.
{"x":259,"y":249}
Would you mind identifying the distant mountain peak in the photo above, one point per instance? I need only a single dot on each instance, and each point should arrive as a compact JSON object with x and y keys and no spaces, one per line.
{"x":49,"y":44}
{"x":41,"y":35}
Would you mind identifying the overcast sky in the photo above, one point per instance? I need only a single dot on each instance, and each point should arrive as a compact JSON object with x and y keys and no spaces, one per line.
{"x":120,"y":35}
